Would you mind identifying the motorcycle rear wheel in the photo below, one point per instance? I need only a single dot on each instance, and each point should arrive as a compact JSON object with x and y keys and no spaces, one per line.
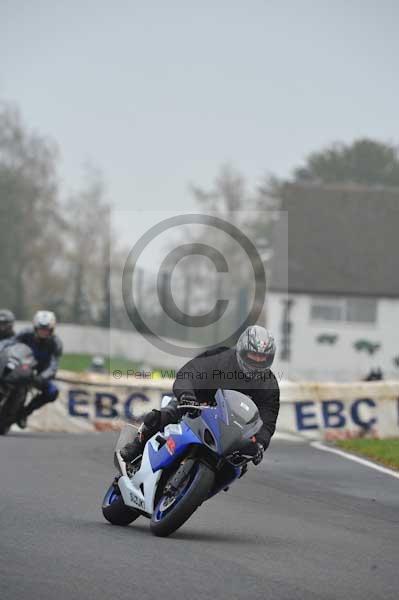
{"x":167,"y":521}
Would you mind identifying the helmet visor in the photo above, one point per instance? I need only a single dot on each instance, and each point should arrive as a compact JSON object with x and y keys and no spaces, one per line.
{"x":257,"y":360}
{"x":43,"y":332}
{"x":257,"y":357}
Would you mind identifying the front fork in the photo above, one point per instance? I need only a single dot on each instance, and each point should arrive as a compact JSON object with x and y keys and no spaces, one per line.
{"x":181,"y":474}
{"x":225,"y":474}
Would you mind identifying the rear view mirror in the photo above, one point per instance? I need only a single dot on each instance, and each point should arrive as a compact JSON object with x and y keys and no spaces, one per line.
{"x":165,"y":401}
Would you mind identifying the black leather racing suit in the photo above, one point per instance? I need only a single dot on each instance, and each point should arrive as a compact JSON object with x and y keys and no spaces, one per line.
{"x":202,"y":376}
{"x":212,"y":370}
{"x":47,"y":353}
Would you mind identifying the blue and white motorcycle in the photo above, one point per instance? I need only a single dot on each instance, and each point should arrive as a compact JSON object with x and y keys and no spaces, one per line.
{"x":184,"y":465}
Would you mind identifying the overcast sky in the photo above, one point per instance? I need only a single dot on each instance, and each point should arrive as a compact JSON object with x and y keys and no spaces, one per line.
{"x":158,"y":94}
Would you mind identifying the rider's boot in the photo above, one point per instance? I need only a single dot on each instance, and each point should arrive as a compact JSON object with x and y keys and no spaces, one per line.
{"x":22,"y":419}
{"x":135,"y":448}
{"x":34,"y":404}
{"x":132,"y":450}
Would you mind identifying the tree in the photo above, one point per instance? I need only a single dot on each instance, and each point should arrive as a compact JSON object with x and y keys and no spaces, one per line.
{"x":364,"y":161}
{"x":252,"y":212}
{"x":53,"y":254}
{"x":88,"y":252}
{"x":29,"y":215}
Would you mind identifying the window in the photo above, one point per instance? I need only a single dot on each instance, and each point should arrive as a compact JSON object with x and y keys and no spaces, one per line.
{"x":323,"y":311}
{"x":350,"y":310}
{"x":361,"y":310}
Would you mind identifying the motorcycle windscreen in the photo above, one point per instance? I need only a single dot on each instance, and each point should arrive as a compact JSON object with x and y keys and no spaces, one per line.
{"x":241,"y":407}
{"x":244,"y":420}
{"x":126,"y":436}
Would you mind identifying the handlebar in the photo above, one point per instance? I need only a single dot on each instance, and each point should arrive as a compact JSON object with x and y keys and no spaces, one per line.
{"x":194,"y":406}
{"x":237,"y":459}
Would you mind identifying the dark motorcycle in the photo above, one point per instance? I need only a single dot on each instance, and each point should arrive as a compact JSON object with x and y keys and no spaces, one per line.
{"x":17,"y":365}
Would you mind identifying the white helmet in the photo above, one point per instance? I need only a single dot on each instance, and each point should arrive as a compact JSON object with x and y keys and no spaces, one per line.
{"x":97,"y":364}
{"x":44,"y":321}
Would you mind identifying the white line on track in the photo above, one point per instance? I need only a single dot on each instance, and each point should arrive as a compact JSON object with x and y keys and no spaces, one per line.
{"x":357,"y":459}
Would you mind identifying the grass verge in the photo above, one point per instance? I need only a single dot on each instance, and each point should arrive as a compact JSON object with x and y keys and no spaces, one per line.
{"x":81,"y":362}
{"x":385,"y":452}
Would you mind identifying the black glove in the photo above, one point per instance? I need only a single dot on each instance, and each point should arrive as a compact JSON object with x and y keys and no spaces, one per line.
{"x":254,"y":451}
{"x":259,"y":456}
{"x":187,"y":398}
{"x":153,"y":419}
{"x":38,"y":382}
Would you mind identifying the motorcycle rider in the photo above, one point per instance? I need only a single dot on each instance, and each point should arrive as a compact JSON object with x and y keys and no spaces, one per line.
{"x":47,"y":350}
{"x":7,"y":321}
{"x":244,"y":368}
{"x":97,"y":364}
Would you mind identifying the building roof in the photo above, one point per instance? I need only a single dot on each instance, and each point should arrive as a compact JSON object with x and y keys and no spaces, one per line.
{"x":337,"y":240}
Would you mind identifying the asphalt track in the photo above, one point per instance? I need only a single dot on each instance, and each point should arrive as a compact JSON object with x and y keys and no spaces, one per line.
{"x":305,"y":524}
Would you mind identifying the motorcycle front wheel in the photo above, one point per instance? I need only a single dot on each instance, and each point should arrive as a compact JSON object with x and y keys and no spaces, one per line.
{"x":4,"y":429}
{"x":10,"y":407}
{"x":172,"y":511}
{"x":115,"y":510}
{"x":5,"y":422}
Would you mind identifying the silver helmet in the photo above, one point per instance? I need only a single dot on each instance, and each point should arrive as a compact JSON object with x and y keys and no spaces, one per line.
{"x":7,"y":320}
{"x":255,"y":350}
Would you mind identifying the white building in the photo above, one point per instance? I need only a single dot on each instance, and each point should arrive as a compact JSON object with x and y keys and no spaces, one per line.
{"x":335,"y":283}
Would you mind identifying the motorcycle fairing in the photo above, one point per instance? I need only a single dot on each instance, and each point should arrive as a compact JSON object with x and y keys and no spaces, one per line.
{"x":139,"y":491}
{"x":162,"y":457}
{"x":221,"y":407}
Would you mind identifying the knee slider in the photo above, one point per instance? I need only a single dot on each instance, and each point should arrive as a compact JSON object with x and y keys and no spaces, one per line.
{"x":52,"y":391}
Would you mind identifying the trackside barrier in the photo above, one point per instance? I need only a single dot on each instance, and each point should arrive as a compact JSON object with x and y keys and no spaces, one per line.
{"x":92,"y":402}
